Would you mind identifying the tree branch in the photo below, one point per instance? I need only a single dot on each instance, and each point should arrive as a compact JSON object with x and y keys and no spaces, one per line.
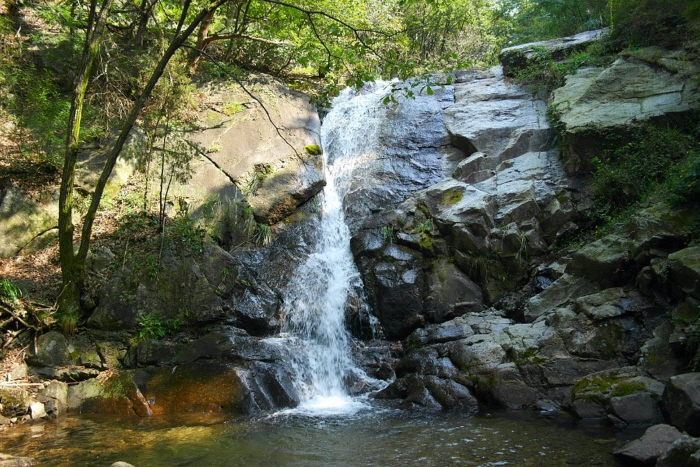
{"x":222,"y":37}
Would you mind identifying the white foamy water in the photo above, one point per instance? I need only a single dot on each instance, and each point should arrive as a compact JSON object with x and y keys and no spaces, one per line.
{"x":317,"y":295}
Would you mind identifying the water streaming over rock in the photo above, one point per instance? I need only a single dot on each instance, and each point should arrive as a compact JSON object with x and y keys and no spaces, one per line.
{"x":317,"y":295}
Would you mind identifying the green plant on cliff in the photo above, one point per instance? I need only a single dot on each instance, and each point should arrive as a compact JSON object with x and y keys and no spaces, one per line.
{"x":633,"y":171}
{"x":155,"y":325}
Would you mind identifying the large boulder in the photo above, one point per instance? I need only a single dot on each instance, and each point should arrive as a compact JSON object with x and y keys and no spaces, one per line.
{"x":640,"y":86}
{"x":681,"y":402}
{"x":255,"y":147}
{"x":646,"y":450}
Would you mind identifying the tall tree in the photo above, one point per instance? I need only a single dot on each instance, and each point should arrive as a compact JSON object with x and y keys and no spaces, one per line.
{"x":72,"y":262}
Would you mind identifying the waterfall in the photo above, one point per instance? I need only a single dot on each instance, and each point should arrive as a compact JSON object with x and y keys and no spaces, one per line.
{"x":316,"y":297}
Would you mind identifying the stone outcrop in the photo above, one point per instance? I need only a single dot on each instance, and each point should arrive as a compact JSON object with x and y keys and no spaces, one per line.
{"x":647,"y":85}
{"x":520,"y":56}
{"x":587,"y":332}
{"x":255,"y":148}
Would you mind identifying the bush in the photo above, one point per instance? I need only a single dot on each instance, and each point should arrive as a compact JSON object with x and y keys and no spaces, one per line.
{"x":683,"y":182}
{"x":641,"y":23}
{"x":630,"y":173}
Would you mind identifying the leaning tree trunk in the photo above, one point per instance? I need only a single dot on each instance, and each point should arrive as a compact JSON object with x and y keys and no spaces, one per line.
{"x":72,"y":264}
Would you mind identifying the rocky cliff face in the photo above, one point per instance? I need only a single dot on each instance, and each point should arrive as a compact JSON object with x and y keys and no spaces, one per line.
{"x":458,"y":217}
{"x":472,"y":282}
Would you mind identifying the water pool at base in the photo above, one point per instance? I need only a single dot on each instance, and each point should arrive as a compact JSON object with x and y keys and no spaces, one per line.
{"x":379,"y":436}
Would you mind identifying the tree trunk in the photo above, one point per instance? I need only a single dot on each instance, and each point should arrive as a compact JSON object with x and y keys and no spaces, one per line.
{"x":72,"y":264}
{"x":71,"y":270}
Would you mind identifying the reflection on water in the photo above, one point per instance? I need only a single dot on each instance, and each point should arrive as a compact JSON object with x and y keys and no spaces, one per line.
{"x":381,"y":436}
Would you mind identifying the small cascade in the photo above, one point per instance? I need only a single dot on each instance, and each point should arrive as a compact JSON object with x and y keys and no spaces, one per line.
{"x":316,"y":297}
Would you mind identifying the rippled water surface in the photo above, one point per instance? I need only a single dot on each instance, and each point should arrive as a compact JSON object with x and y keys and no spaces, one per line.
{"x":378,"y":436}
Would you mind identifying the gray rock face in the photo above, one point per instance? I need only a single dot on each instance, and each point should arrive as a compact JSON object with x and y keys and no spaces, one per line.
{"x":494,"y":121}
{"x":681,"y":402}
{"x":520,"y":56}
{"x":684,"y":452}
{"x":647,"y":449}
{"x":641,"y":86}
{"x":244,"y":154}
{"x":404,"y":147}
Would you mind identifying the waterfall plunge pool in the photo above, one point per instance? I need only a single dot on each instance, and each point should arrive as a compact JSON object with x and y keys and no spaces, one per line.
{"x":379,"y":435}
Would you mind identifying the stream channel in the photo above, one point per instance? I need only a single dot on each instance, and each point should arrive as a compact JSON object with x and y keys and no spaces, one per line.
{"x":330,"y":427}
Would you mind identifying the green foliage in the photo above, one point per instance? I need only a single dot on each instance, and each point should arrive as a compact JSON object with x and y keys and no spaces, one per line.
{"x":183,"y":232}
{"x":600,"y":389}
{"x":232,"y":108}
{"x":313,"y":149}
{"x":632,"y":172}
{"x":388,"y":233}
{"x":262,"y":235}
{"x":683,"y":182}
{"x":534,"y":20}
{"x":451,"y":196}
{"x":68,"y":321}
{"x":641,"y":23}
{"x":155,"y":325}
{"x":11,"y":291}
{"x":544,"y":73}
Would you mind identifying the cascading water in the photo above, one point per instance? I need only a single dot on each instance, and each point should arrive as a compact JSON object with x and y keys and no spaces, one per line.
{"x":317,"y":295}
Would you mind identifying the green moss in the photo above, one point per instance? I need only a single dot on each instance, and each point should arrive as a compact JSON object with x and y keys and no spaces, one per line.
{"x":313,"y":149}
{"x":232,"y":108}
{"x":452,"y":196}
{"x":599,"y":389}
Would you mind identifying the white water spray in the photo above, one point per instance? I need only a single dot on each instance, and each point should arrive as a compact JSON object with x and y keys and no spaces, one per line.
{"x":317,"y":295}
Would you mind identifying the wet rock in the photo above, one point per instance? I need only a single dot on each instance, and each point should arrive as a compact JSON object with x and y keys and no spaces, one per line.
{"x":155,"y":352}
{"x":518,"y":57}
{"x":558,"y":294}
{"x":620,"y":394}
{"x":66,"y":374}
{"x":395,"y":291}
{"x":613,"y":303}
{"x":657,"y":357}
{"x":607,"y":261}
{"x":114,"y":394}
{"x":684,"y":452}
{"x":55,"y":398}
{"x":450,"y":293}
{"x":270,"y":387}
{"x":37,"y":410}
{"x":204,"y":386}
{"x":498,"y":119}
{"x":646,"y":450}
{"x":431,"y":392}
{"x":681,"y":402}
{"x":257,"y":311}
{"x":448,"y":331}
{"x":406,"y":149}
{"x":14,"y":400}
